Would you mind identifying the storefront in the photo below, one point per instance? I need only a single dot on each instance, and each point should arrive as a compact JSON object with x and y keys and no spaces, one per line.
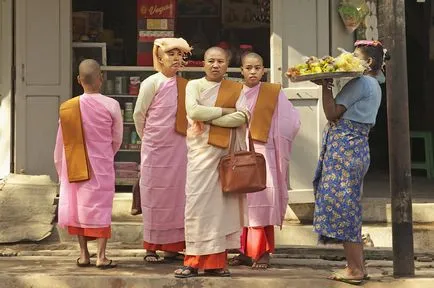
{"x":48,"y":47}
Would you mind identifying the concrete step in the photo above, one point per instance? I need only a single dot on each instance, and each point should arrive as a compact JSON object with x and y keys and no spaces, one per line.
{"x":380,"y":234}
{"x":291,"y":234}
{"x":122,"y":209}
{"x":375,"y":210}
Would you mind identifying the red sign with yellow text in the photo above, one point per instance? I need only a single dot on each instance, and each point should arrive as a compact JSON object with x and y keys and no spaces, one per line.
{"x":156,"y":9}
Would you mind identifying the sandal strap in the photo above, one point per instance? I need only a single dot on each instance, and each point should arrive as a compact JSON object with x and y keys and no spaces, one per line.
{"x":188,"y":268}
{"x":155,"y":255}
{"x":218,"y":272}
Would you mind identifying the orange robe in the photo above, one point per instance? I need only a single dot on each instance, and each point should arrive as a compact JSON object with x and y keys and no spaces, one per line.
{"x":206,"y":262}
{"x":256,"y":241}
{"x":91,"y":233}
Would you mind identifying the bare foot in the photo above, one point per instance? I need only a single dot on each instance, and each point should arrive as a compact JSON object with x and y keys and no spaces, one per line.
{"x":84,"y":258}
{"x":105,"y":264}
{"x":347,"y":275}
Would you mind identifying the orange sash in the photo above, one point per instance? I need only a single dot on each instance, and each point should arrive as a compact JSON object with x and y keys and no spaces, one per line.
{"x":77,"y":161}
{"x":181,"y":114}
{"x":227,"y":97}
{"x":264,"y":110}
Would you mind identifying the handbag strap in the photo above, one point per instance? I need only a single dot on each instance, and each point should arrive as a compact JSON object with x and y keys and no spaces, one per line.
{"x":251,"y":146}
{"x":232,"y":144}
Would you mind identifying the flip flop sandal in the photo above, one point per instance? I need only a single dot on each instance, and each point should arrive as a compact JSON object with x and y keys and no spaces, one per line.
{"x":83,"y":264}
{"x":192,"y":272}
{"x":341,"y":278}
{"x":155,"y":256}
{"x":239,"y":261}
{"x":365,"y":276}
{"x":217,"y":272}
{"x":109,"y":265}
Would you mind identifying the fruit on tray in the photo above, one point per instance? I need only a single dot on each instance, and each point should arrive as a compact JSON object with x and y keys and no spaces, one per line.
{"x":345,"y":62}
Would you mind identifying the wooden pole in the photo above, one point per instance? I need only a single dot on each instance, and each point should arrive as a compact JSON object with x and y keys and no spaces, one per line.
{"x":393,"y":13}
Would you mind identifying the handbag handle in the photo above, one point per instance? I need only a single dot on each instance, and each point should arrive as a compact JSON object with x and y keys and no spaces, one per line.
{"x":231,"y":147}
{"x":232,"y":144}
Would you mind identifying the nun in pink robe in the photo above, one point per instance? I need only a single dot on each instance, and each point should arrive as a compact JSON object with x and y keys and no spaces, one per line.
{"x":267,"y":208}
{"x":85,"y":208}
{"x":163,"y":153}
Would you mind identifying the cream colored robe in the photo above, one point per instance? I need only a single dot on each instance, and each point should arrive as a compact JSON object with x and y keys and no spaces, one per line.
{"x":213,"y":220}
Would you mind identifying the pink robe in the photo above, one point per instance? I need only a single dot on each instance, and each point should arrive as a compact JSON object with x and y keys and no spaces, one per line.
{"x":268,"y":207}
{"x":88,"y":204}
{"x":163,"y":169}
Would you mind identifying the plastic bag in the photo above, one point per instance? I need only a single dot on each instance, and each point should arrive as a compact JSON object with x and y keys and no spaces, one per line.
{"x":353,"y":12}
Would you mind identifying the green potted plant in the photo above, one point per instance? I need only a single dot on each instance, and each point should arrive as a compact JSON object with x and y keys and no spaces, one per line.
{"x":353,"y":12}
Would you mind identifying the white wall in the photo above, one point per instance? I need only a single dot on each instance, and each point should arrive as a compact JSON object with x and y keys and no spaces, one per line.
{"x":5,"y":80}
{"x":43,"y":56}
{"x":304,"y":28}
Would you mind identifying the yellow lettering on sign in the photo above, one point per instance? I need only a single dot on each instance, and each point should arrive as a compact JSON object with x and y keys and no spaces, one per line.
{"x":159,"y":10}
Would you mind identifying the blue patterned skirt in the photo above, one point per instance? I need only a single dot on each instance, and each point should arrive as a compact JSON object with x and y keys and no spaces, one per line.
{"x":343,"y":163}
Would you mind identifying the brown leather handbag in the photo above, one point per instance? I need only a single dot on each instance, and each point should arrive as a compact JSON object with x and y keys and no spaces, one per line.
{"x":243,"y":171}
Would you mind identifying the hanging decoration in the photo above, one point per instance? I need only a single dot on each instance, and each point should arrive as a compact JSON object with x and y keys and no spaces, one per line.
{"x":369,"y":28}
{"x":263,"y":12}
{"x":353,"y":13}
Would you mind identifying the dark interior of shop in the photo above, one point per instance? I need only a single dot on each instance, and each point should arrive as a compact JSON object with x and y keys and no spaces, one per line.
{"x":420,"y":71}
{"x":213,"y":25}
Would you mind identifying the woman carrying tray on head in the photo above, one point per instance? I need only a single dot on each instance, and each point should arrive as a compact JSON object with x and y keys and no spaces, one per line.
{"x":344,"y":160}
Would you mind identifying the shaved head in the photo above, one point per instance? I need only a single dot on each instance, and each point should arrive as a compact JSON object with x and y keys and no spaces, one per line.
{"x":252,"y":55}
{"x":216,"y":49}
{"x":216,"y":62}
{"x":89,"y":71}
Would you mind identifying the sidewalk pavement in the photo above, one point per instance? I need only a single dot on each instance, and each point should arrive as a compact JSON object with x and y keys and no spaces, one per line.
{"x":27,"y":266}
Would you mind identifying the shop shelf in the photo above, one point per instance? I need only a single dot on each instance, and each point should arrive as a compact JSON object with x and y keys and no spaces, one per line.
{"x":121,"y":96}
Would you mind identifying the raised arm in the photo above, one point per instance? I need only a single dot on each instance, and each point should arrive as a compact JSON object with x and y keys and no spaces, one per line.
{"x":144,"y":100}
{"x":195,"y":111}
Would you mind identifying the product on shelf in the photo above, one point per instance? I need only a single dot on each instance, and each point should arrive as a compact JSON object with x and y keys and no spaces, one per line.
{"x":129,"y":110}
{"x":134,"y":146}
{"x":134,"y":86}
{"x":126,"y":137}
{"x":126,"y":166}
{"x":109,"y":87}
{"x":133,"y":137}
{"x":121,"y":85}
{"x":126,"y":173}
